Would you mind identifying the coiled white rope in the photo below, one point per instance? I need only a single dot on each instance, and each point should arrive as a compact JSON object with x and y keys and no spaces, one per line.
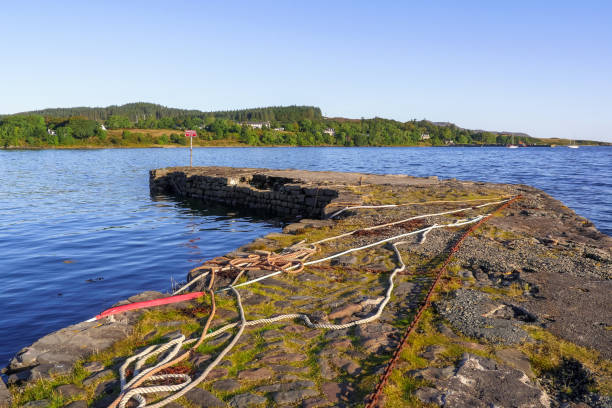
{"x":140,"y":359}
{"x":181,"y":388}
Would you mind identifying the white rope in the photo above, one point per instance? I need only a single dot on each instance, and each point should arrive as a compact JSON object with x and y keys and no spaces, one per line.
{"x":361,"y":206}
{"x":355,"y":207}
{"x":256,"y":280}
{"x":191,"y":282}
{"x":176,"y":344}
{"x":424,"y":235}
{"x":187,"y":385}
{"x":141,"y":358}
{"x":382,"y":241}
{"x":137,"y":392}
{"x":417,"y":217}
{"x":424,"y":231}
{"x":181,"y":388}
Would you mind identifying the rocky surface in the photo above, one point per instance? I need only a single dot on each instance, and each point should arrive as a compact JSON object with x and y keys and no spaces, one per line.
{"x":202,"y":398}
{"x":480,"y":382}
{"x":5,"y":396}
{"x":474,"y":314}
{"x":522,"y":317}
{"x":57,"y":353}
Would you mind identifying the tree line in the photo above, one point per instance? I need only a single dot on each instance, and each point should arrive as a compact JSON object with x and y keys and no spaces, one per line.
{"x":143,"y":112}
{"x":139,"y":124}
{"x":36,"y":131}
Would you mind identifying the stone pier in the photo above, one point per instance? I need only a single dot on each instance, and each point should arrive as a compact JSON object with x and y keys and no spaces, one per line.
{"x":292,"y":193}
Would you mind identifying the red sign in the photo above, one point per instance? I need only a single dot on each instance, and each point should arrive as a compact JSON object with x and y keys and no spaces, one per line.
{"x":191,"y":133}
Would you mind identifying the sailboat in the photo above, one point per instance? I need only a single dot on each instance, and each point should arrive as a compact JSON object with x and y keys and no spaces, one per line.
{"x":512,"y":145}
{"x":572,"y":145}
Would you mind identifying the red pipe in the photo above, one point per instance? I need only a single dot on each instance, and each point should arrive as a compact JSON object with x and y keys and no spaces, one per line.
{"x":149,"y":303}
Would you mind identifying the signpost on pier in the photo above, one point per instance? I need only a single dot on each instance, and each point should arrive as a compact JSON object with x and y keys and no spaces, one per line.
{"x":191,"y":134}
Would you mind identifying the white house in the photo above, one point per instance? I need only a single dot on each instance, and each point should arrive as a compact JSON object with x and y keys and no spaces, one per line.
{"x":279,"y":129}
{"x":425,"y":136}
{"x":51,"y":131}
{"x":258,"y":125}
{"x":330,"y":131}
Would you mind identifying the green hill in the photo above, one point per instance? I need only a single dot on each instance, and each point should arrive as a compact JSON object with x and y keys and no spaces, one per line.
{"x":140,"y":111}
{"x":147,"y":124}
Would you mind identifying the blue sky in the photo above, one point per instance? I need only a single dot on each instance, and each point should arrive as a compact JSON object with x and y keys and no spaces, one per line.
{"x":544,"y":68}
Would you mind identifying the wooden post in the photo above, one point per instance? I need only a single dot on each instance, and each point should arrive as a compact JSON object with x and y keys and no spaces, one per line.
{"x":190,"y":134}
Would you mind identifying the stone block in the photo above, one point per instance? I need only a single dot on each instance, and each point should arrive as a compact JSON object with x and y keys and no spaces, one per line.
{"x":293,"y":397}
{"x":257,"y":374}
{"x":202,"y":398}
{"x":247,"y":400}
{"x":69,"y":390}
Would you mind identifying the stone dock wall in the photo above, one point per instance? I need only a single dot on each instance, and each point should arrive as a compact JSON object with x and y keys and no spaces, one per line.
{"x":253,"y":190}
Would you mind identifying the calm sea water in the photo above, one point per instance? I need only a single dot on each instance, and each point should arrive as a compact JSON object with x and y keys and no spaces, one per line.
{"x":79,"y":230}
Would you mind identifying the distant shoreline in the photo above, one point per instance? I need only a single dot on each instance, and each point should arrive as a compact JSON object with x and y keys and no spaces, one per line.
{"x":601,"y":144}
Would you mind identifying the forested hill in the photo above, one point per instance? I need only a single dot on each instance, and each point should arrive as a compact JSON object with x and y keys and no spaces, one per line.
{"x":141,"y":111}
{"x":134,"y":111}
{"x":147,"y":124}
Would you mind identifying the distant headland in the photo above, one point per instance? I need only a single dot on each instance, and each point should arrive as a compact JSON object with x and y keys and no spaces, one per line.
{"x":150,"y":125}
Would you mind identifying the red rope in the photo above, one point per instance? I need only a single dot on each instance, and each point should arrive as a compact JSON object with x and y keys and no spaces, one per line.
{"x":396,"y":354}
{"x":149,"y":303}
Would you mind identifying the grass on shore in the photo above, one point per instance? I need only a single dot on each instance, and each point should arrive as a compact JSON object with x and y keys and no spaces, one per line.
{"x":547,"y":352}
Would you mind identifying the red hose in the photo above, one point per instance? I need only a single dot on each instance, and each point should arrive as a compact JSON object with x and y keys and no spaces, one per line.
{"x":149,"y":303}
